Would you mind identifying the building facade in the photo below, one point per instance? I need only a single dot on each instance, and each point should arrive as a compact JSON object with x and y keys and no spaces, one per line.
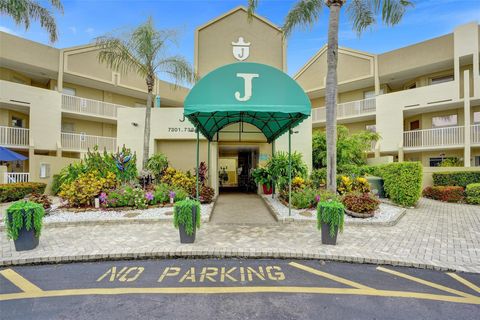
{"x":55,"y":104}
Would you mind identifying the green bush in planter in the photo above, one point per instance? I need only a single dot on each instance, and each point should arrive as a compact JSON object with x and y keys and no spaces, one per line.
{"x":473,"y":193}
{"x":182,"y":215}
{"x":331,"y":213}
{"x":22,"y":212}
{"x":402,"y":181}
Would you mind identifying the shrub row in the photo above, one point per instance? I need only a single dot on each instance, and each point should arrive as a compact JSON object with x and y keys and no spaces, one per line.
{"x":444,"y":193}
{"x":461,"y":179}
{"x":16,"y":191}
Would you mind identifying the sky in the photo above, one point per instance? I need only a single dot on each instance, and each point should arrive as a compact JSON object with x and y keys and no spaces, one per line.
{"x":83,"y":20}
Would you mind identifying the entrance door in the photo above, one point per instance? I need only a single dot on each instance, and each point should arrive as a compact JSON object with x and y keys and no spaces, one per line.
{"x":236,"y":163}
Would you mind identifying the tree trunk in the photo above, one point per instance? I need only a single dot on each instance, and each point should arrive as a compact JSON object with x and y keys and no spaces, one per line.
{"x":331,"y":96}
{"x":148,"y":113}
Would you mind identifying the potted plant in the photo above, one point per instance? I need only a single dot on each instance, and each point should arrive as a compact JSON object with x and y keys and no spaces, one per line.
{"x":23,"y":221}
{"x":330,"y":219}
{"x":186,"y":217}
{"x":263,"y":177}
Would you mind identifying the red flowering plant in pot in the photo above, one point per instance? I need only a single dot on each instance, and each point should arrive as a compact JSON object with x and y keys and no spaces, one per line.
{"x":360,"y":205}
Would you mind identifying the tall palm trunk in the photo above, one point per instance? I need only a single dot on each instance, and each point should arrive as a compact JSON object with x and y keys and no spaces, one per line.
{"x":148,"y":114}
{"x":331,"y":95}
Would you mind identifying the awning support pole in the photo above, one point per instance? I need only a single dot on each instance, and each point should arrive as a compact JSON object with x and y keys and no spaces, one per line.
{"x":273,"y":178}
{"x":198,"y":161}
{"x":289,"y":172}
{"x":208,"y":165}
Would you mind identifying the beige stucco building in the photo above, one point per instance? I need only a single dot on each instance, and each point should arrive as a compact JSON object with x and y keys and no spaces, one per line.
{"x":55,"y":104}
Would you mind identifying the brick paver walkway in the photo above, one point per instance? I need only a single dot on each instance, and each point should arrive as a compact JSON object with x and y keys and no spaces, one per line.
{"x":435,"y":235}
{"x":241,"y":208}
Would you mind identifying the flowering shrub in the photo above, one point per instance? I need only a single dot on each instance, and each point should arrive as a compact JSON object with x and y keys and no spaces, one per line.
{"x":360,"y":202}
{"x":83,"y":190}
{"x":358,"y":184}
{"x":444,"y":193}
{"x":16,"y":191}
{"x":178,"y":179}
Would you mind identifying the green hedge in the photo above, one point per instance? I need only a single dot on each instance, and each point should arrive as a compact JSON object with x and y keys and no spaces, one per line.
{"x":473,"y":193}
{"x":15,"y":191}
{"x":402,"y":181}
{"x":461,"y":179}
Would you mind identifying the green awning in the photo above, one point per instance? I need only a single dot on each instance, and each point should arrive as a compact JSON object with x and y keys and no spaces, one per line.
{"x":247,"y":92}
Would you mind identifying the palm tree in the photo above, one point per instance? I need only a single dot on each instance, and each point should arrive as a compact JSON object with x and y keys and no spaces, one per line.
{"x":362,"y":13}
{"x":144,"y":51}
{"x":22,"y":11}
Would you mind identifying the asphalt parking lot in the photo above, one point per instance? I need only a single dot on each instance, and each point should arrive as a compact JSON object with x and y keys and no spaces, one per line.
{"x":235,"y":289}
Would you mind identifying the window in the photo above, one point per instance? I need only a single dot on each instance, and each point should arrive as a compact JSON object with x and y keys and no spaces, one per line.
{"x":476,"y":117}
{"x":441,"y":79}
{"x":17,"y":122}
{"x":435,"y":162}
{"x":68,"y":127}
{"x":371,"y":94}
{"x":371,"y":127}
{"x":477,"y":161}
{"x":444,"y":121}
{"x":44,"y":170}
{"x":69,"y":91}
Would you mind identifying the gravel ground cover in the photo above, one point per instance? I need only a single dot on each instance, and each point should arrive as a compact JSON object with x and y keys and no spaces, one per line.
{"x":385,"y":215}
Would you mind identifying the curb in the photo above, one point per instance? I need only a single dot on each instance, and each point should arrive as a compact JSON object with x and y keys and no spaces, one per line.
{"x":188,"y":252}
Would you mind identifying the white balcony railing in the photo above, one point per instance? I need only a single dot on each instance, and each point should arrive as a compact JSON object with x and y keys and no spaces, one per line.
{"x":347,"y":109}
{"x":439,"y":137}
{"x":12,"y":136}
{"x":83,"y":142}
{"x":89,"y":106}
{"x":475,"y":134}
{"x":14,"y":177}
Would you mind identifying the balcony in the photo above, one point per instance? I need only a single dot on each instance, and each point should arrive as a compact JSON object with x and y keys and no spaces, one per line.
{"x":434,"y":138}
{"x":15,"y":177}
{"x":90,"y":107}
{"x":475,"y":134}
{"x":14,"y":137}
{"x":83,"y":142}
{"x":347,"y":110}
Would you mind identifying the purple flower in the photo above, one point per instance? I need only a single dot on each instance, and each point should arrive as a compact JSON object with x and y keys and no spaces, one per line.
{"x":171,"y":194}
{"x":317,"y":198}
{"x":103,"y":197}
{"x":149,"y":196}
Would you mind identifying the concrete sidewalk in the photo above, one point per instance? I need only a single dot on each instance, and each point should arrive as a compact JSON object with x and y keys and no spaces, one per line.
{"x":434,"y":235}
{"x":241,"y":208}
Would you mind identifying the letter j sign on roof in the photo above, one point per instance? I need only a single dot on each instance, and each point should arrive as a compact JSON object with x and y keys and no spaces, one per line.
{"x":247,"y":92}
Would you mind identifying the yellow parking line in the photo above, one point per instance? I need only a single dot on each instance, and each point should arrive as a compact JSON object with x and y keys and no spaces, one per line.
{"x":238,"y":290}
{"x":427,"y":283}
{"x":464,"y":281}
{"x":329,"y":276}
{"x":22,"y":283}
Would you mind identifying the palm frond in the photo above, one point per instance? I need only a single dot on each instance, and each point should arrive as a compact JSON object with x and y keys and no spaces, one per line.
{"x":304,"y":14}
{"x":22,"y":11}
{"x":178,"y":68}
{"x":118,"y":55}
{"x":252,"y":6}
{"x":392,"y":11}
{"x":362,"y":14}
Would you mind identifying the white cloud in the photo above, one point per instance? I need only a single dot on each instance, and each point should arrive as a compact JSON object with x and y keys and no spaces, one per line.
{"x":90,"y":31}
{"x":73,"y":30}
{"x":7,"y":30}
